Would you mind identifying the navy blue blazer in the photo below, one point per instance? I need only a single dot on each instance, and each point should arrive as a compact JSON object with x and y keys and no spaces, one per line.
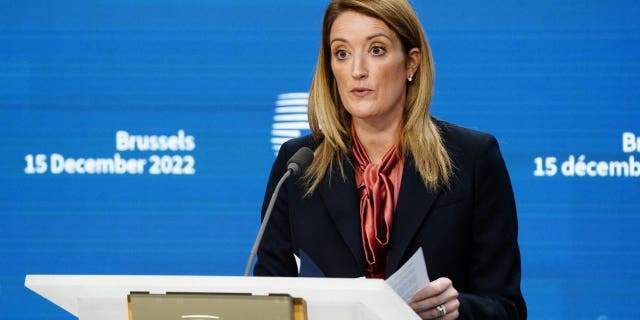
{"x":468,"y":232}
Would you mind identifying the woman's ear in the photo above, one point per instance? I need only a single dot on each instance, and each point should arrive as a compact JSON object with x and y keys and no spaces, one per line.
{"x":413,"y":62}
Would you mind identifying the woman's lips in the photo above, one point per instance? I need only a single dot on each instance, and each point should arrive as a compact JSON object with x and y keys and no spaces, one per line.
{"x":361,"y":92}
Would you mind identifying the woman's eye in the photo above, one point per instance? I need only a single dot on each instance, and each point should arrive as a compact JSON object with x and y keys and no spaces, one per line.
{"x":377,"y":51}
{"x":341,"y":54}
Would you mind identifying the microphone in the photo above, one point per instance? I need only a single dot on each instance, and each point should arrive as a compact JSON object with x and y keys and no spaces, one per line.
{"x":300,"y":161}
{"x":296,"y":165}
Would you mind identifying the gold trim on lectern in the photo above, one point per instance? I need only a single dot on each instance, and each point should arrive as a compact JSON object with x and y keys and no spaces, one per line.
{"x":214,"y":306}
{"x":299,"y":309}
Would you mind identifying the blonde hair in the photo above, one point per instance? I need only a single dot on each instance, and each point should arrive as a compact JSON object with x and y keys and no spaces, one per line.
{"x":330,"y":122}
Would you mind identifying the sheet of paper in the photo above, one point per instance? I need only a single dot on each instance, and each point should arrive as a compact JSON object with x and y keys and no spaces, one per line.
{"x":411,"y":277}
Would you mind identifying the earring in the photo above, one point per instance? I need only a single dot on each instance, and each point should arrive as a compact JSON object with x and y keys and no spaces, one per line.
{"x":410,"y":78}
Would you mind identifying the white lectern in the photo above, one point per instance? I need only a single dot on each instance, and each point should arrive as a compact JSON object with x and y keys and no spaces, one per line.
{"x":94,"y":297}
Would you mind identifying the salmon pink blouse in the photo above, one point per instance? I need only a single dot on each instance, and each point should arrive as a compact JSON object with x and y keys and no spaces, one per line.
{"x":378,"y":188}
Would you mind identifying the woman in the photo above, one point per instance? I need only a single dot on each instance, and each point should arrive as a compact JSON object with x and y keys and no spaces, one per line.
{"x":387,"y":178}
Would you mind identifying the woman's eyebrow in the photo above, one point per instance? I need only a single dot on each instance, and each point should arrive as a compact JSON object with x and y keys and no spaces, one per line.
{"x":378,"y":35}
{"x":368,"y":38}
{"x":338,"y":39}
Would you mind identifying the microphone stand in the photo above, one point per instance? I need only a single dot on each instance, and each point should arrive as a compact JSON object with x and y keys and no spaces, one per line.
{"x":263,"y":226}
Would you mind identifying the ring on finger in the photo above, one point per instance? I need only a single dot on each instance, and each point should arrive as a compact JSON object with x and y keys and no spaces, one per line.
{"x":442,"y":310}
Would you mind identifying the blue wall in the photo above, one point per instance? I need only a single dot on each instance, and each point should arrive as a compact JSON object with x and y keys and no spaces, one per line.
{"x":551,"y":79}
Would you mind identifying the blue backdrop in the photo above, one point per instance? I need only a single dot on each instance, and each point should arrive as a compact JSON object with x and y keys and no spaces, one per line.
{"x":137,"y":136}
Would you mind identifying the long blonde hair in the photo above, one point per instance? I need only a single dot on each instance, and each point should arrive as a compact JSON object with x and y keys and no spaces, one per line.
{"x":330,"y":122}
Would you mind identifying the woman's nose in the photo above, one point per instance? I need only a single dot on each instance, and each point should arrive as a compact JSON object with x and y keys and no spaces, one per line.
{"x":359,"y":68}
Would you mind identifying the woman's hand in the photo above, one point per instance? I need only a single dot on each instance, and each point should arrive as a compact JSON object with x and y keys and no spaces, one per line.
{"x":438,"y":300}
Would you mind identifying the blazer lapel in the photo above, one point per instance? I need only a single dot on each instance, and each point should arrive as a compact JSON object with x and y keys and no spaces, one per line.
{"x":341,"y":200}
{"x":414,"y":203}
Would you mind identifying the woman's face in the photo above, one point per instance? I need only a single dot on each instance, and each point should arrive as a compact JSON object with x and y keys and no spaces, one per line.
{"x":370,"y":68}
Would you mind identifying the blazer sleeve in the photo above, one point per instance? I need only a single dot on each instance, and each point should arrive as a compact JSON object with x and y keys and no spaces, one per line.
{"x":275,"y":253}
{"x":494,"y":254}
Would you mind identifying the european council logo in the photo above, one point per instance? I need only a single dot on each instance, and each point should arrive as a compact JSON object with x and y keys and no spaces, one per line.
{"x":290,"y":119}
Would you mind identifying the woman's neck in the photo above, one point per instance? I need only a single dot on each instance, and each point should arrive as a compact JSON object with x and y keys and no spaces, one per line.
{"x":376,"y":139}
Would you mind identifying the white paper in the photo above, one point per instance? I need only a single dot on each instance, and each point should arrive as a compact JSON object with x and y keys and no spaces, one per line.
{"x":411,"y":277}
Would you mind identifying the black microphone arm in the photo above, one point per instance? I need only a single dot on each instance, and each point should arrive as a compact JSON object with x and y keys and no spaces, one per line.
{"x":296,"y":165}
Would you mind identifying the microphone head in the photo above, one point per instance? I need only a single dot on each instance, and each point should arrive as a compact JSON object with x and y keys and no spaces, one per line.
{"x":300,"y":161}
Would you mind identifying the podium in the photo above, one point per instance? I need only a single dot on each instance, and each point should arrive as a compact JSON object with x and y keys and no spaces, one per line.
{"x":104,"y":297}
